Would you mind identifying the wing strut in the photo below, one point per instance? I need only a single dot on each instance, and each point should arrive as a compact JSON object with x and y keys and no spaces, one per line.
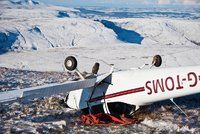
{"x":172,"y":100}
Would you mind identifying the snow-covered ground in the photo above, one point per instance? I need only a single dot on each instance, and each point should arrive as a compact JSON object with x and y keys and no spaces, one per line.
{"x":34,"y":36}
{"x":48,"y":116}
{"x":40,"y":34}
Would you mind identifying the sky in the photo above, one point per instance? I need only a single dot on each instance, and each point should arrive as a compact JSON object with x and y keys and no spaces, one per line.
{"x":123,"y":3}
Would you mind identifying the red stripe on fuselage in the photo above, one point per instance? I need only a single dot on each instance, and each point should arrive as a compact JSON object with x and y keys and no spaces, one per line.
{"x":136,"y":90}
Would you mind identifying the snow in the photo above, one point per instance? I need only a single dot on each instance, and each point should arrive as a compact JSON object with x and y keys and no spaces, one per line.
{"x":88,"y":40}
{"x":38,"y":37}
{"x":154,"y":12}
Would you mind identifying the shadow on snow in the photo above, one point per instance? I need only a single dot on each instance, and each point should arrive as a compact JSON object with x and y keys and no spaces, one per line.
{"x":62,"y":14}
{"x":124,"y":35}
{"x":7,"y":40}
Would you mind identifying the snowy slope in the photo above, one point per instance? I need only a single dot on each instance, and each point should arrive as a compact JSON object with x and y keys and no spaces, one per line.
{"x":165,"y":31}
{"x":154,"y":12}
{"x":36,"y":31}
{"x":43,"y":27}
{"x":40,"y":29}
{"x":19,"y":3}
{"x":50,"y":33}
{"x":25,"y":2}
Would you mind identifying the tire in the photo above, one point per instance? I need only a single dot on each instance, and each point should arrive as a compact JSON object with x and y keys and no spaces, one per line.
{"x":157,"y":61}
{"x":95,"y":68}
{"x":70,"y":63}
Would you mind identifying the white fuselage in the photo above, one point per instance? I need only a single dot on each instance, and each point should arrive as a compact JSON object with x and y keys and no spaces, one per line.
{"x":139,"y":87}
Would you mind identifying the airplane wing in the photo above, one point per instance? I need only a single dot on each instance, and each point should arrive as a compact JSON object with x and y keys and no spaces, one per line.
{"x":46,"y":90}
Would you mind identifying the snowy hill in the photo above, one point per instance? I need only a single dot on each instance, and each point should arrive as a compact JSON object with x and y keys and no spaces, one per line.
{"x":24,"y":2}
{"x":18,"y":3}
{"x":49,"y":27}
{"x":53,"y":27}
{"x":59,"y":33}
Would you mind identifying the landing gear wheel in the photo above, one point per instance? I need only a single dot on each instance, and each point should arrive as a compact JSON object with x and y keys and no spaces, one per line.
{"x":70,"y":63}
{"x":95,"y":68}
{"x":157,"y":61}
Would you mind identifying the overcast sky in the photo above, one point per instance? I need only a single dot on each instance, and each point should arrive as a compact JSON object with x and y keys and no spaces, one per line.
{"x":123,"y":3}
